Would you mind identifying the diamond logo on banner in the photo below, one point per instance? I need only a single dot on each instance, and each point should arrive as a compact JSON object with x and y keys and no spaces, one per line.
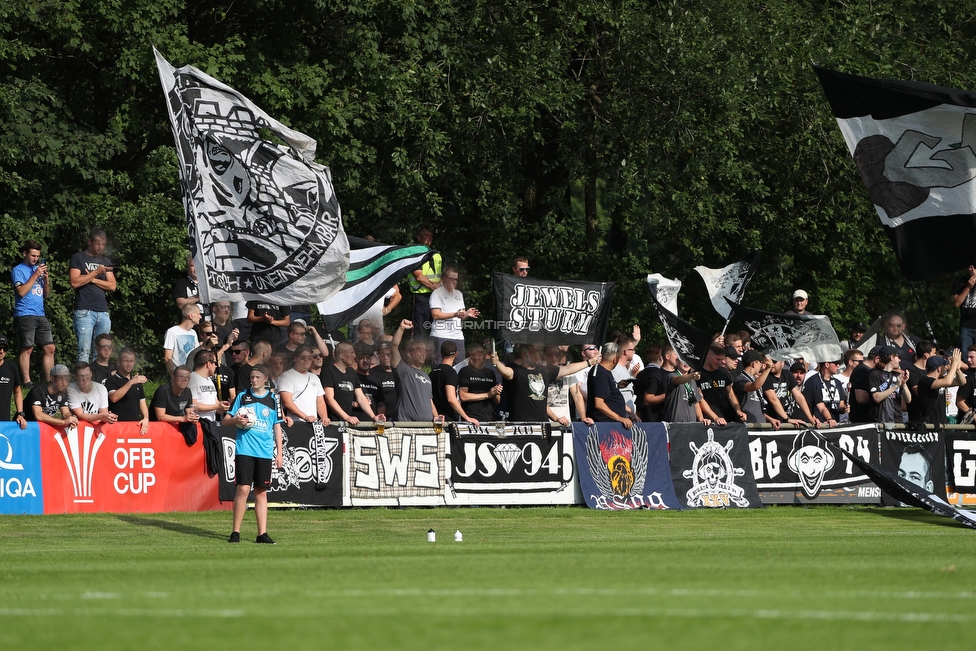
{"x":507,"y":454}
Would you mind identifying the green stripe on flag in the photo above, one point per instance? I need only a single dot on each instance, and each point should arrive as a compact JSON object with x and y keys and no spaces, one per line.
{"x":385,"y":259}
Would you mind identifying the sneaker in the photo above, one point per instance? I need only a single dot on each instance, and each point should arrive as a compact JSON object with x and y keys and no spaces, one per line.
{"x":265,"y":539}
{"x":235,"y":537}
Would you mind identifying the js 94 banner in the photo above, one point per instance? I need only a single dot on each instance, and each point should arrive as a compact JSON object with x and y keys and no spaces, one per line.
{"x":551,"y":312}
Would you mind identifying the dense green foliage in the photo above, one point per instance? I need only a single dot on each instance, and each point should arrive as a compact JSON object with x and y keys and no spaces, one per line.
{"x":544,"y":578}
{"x":603,"y":140}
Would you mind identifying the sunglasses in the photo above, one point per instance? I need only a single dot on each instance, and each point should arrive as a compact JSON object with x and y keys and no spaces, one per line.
{"x":237,"y":352}
{"x":521,"y":268}
{"x":589,"y":348}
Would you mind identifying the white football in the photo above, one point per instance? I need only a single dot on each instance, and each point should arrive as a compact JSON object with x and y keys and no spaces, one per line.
{"x":248,"y":413}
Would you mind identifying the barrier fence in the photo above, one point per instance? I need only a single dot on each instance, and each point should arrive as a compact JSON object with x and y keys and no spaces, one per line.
{"x":114,"y":468}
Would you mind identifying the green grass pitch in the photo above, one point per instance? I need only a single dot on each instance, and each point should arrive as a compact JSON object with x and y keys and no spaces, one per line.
{"x":542,"y":578}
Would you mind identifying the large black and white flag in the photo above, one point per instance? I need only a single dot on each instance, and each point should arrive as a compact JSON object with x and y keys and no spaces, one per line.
{"x":914,"y":145}
{"x":373,"y":269}
{"x":551,"y":312}
{"x":667,"y":291}
{"x":689,"y":342}
{"x":870,"y":338}
{"x":263,"y":219}
{"x":787,"y":336}
{"x":729,"y":282}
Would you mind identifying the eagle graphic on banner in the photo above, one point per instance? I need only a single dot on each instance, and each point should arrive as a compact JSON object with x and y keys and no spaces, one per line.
{"x":617,"y":463}
{"x":263,"y":219}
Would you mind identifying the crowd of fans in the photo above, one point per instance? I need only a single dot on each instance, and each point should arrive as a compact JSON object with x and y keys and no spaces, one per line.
{"x":424,"y":370}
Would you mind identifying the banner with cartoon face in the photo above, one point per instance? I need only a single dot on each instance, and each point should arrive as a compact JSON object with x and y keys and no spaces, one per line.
{"x":623,"y":469}
{"x":797,"y":467}
{"x":311,"y":472}
{"x":711,"y":467}
{"x":918,"y":457}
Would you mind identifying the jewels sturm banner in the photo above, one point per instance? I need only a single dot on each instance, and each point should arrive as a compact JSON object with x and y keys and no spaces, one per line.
{"x":311,"y":472}
{"x":510,"y":464}
{"x":711,"y":466}
{"x":551,"y":312}
{"x":624,"y":469}
{"x":797,"y":467}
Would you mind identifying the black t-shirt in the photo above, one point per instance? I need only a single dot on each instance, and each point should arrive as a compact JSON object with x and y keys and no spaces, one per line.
{"x":932,"y":402}
{"x":223,"y":379}
{"x":344,"y":385}
{"x":652,"y":381}
{"x":41,"y":397}
{"x":101,"y":373}
{"x":444,"y":378}
{"x":530,"y":393}
{"x":714,"y":387}
{"x":9,"y":379}
{"x":90,"y":296}
{"x":242,"y":378}
{"x":172,"y":404}
{"x":914,"y":375}
{"x":387,"y":381}
{"x":831,"y":393}
{"x":600,"y":384}
{"x":186,"y":287}
{"x":373,"y":391}
{"x":782,"y":387}
{"x":127,"y":408}
{"x":967,"y":311}
{"x":861,"y":379}
{"x":265,"y":331}
{"x":966,"y":391}
{"x":750,"y":402}
{"x":478,"y":381}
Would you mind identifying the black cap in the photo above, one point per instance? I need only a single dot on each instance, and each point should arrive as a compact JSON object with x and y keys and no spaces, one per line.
{"x":4,"y":342}
{"x":860,"y":326}
{"x":751,"y":356}
{"x":730,"y":351}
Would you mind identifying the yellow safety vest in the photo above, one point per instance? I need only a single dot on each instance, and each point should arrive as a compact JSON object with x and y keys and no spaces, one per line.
{"x":431,"y":269}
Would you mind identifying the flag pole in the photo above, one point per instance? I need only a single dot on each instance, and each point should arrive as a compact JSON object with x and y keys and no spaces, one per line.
{"x":925,"y":317}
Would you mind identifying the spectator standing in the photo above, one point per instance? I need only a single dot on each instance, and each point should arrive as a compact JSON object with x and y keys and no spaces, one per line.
{"x":799,"y":303}
{"x":295,"y":342}
{"x":223,"y":324}
{"x":342,"y":389}
{"x":964,"y":298}
{"x":415,"y":394}
{"x":888,"y":390}
{"x":31,"y":287}
{"x":941,"y":373}
{"x":181,"y":339}
{"x":240,"y":354}
{"x":301,"y":392}
{"x":367,"y":381}
{"x":604,"y":402}
{"x":173,"y":402}
{"x":10,"y":387}
{"x":588,"y":351}
{"x":748,"y":387}
{"x":784,"y":400}
{"x":530,"y":381}
{"x":826,"y":395}
{"x":860,"y":393}
{"x":478,"y":386}
{"x":384,"y":375}
{"x":186,"y":291}
{"x":126,"y":396}
{"x":382,"y":307}
{"x":48,"y":402}
{"x":896,"y":336}
{"x":447,"y":313}
{"x":563,"y":391}
{"x":260,"y":354}
{"x":682,"y":394}
{"x":625,"y":370}
{"x":103,"y":367}
{"x":267,"y":321}
{"x":88,"y":400}
{"x":966,"y":396}
{"x":857,"y":333}
{"x":444,"y":386}
{"x":424,"y":281}
{"x":205,"y":398}
{"x":719,"y":403}
{"x":91,"y":276}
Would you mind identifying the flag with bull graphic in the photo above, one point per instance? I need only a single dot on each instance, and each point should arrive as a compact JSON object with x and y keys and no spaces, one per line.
{"x":262,"y":218}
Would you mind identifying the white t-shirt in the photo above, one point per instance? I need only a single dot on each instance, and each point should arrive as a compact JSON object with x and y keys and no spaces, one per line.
{"x":621,"y":373}
{"x":448,"y":302}
{"x":305,"y":388}
{"x":91,"y":402}
{"x":558,"y":398}
{"x":181,"y":342}
{"x":375,"y":312}
{"x":203,"y":391}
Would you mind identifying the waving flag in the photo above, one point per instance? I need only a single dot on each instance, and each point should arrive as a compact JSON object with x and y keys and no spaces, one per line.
{"x":689,"y":342}
{"x":262,"y":218}
{"x":667,"y":291}
{"x":914,"y":145}
{"x":729,"y":282}
{"x":373,"y":269}
{"x":786,"y":336}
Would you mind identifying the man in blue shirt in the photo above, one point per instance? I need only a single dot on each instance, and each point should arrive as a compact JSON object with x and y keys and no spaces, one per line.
{"x":31,"y":287}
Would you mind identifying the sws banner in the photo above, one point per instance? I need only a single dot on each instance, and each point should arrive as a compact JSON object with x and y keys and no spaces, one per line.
{"x":797,"y":467}
{"x":711,"y":467}
{"x":311,"y":471}
{"x":623,"y":469}
{"x":551,"y":312}
{"x":401,"y":466}
{"x":116,"y":469}
{"x":513,"y":464}
{"x":918,"y":457}
{"x":961,"y":468}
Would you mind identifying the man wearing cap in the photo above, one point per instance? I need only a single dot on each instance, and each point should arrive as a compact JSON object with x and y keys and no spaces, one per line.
{"x":916,"y":371}
{"x":48,"y":402}
{"x":444,"y":386}
{"x":748,"y":387}
{"x":31,"y":287}
{"x":800,"y":301}
{"x":940,"y":373}
{"x":826,"y":394}
{"x":718,"y":403}
{"x":857,"y":332}
{"x":888,"y":390}
{"x":860,"y":393}
{"x":732,"y":357}
{"x":10,"y":387}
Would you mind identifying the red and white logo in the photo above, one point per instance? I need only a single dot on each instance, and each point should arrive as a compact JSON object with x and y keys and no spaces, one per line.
{"x":79,"y":450}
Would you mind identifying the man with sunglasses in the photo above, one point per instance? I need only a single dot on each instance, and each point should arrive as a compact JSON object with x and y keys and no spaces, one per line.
{"x":301,"y":392}
{"x":520,"y":266}
{"x":447,"y":313}
{"x":587,"y":352}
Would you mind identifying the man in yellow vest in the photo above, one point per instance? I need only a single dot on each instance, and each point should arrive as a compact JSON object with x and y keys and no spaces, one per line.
{"x":424,"y":281}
